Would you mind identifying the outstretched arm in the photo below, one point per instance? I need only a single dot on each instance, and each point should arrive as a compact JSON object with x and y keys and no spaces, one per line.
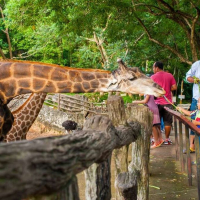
{"x":195,"y":122}
{"x":186,"y":112}
{"x":145,"y":100}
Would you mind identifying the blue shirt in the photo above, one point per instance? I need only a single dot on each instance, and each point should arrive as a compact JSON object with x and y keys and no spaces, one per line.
{"x":195,"y":71}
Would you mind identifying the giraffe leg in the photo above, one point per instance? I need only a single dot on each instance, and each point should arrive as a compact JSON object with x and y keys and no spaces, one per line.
{"x":6,"y":121}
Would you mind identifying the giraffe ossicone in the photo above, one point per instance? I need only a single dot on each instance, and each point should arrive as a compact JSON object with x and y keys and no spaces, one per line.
{"x":21,"y":77}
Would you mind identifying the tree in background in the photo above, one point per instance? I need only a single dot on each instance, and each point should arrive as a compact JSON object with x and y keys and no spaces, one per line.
{"x":139,"y":31}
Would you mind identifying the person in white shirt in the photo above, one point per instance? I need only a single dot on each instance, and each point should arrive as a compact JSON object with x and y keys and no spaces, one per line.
{"x":193,"y":76}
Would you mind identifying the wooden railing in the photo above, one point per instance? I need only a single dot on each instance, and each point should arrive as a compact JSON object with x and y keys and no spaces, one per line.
{"x":179,"y":121}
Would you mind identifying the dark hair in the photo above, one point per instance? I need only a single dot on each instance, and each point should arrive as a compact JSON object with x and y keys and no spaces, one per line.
{"x":159,"y":65}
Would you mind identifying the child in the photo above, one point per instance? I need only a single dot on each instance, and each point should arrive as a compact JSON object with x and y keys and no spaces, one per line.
{"x":149,"y":100}
{"x":195,"y":122}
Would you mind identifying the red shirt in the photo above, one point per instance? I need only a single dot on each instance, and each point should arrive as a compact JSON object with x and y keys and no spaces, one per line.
{"x":165,"y":80}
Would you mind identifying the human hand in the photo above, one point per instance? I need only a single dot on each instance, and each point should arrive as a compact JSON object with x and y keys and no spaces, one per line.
{"x":179,"y":109}
{"x":196,"y":80}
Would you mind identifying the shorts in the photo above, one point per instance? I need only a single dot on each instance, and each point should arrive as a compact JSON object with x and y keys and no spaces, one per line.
{"x":193,"y":107}
{"x":167,"y":117}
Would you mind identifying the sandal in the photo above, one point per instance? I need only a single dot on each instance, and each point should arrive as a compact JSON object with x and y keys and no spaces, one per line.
{"x":191,"y":151}
{"x":156,"y":145}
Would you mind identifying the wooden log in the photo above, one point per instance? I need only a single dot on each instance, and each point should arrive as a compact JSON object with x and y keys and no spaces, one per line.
{"x":43,"y":166}
{"x":70,"y":192}
{"x":126,"y":183}
{"x":141,"y":148}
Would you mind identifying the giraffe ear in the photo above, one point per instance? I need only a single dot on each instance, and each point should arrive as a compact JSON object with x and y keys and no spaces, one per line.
{"x":121,"y":64}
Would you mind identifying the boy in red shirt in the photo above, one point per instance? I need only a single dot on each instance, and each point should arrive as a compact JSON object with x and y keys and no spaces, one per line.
{"x":168,"y":83}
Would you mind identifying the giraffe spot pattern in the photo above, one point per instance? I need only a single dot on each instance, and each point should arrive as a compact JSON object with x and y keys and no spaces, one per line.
{"x":25,"y":83}
{"x":5,"y":67}
{"x":12,"y":88}
{"x":95,"y":84}
{"x":49,"y":87}
{"x":88,"y":76}
{"x":38,"y":84}
{"x":59,"y":75}
{"x":22,"y":70}
{"x":86,"y":85}
{"x":41,"y":71}
{"x":78,"y":88}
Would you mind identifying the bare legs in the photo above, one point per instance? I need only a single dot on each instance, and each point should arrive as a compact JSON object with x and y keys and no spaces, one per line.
{"x":167,"y":131}
{"x":192,"y":137}
{"x":157,"y":135}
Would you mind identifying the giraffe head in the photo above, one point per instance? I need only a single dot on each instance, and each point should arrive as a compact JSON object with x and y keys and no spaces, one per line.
{"x":132,"y":80}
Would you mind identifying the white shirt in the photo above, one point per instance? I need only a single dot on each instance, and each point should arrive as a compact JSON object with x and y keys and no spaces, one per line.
{"x":195,"y":71}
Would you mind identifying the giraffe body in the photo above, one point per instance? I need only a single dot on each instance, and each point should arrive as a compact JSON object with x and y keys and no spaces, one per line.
{"x":20,"y":77}
{"x":25,"y":116}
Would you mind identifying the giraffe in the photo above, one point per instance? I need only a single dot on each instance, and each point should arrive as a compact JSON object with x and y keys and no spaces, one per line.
{"x":25,"y":116}
{"x":21,"y":77}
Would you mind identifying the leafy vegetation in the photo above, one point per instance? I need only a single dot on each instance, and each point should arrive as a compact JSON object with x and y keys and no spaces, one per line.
{"x":93,"y":34}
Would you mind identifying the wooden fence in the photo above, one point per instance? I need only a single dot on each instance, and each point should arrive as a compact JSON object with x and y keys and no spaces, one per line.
{"x":74,"y":104}
{"x":48,"y":166}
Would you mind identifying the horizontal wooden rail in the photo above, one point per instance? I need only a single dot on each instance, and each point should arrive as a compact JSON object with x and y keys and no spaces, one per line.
{"x":184,"y":120}
{"x":44,"y":165}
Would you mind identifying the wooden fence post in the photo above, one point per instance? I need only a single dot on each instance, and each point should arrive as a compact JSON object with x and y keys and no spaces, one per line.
{"x":141,"y":148}
{"x":116,"y":113}
{"x":97,"y":178}
{"x":126,"y":184}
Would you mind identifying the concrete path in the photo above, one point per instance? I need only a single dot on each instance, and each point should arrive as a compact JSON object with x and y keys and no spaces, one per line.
{"x":166,"y":180}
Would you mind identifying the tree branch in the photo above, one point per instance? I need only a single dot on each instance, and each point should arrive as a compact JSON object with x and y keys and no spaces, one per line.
{"x":7,"y":35}
{"x":2,"y":54}
{"x":192,"y":41}
{"x":182,"y":59}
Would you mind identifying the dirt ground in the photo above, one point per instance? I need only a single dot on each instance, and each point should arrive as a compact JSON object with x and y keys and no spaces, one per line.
{"x":39,"y":130}
{"x":167,"y":181}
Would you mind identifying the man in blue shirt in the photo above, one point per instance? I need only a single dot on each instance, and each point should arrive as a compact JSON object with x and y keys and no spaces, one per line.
{"x":193,"y":76}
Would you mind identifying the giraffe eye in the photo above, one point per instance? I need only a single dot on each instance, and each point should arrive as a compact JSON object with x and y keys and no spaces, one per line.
{"x":131,"y":79}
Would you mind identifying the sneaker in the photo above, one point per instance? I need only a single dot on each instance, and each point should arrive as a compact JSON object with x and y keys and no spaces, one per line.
{"x":152,"y":141}
{"x":167,"y":142}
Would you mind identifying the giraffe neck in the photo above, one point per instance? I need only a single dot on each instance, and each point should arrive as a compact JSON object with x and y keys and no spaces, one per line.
{"x":25,"y":116}
{"x":32,"y":77}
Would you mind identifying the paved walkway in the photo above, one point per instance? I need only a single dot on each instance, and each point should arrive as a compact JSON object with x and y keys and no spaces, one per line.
{"x":166,"y":180}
